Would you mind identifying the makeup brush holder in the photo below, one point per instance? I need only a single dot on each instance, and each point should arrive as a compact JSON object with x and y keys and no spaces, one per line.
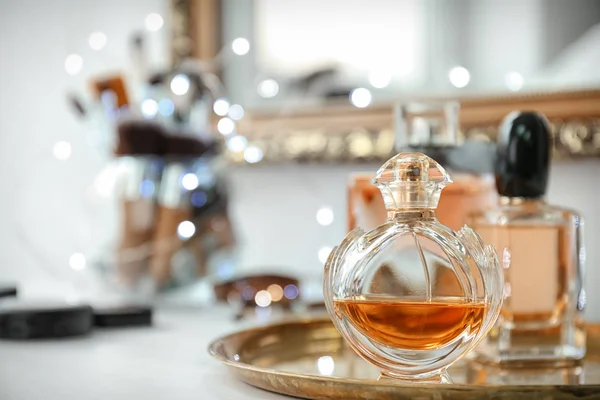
{"x":171,"y":224}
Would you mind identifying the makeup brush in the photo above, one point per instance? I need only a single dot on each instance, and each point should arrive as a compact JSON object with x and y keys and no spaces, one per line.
{"x":76,"y":104}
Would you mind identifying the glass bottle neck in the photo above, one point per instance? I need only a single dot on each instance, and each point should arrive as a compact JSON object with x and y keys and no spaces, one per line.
{"x":406,"y":214}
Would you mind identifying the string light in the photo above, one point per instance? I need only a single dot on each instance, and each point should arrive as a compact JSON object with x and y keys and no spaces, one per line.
{"x":77,"y":261}
{"x":253,"y":154}
{"x":237,"y":144}
{"x":73,"y":64}
{"x":360,"y":97}
{"x":459,"y":77}
{"x":236,"y":112}
{"x":514,"y":81}
{"x":180,"y":84}
{"x":199,"y":199}
{"x":221,"y":107}
{"x":380,"y":78}
{"x":276,"y":292}
{"x":324,"y":253}
{"x":240,"y":46}
{"x":262,"y":298}
{"x":62,"y":150}
{"x":154,"y":22}
{"x":325,"y":216}
{"x":166,"y":107}
{"x":186,"y":229}
{"x":147,"y":188}
{"x":291,"y":292}
{"x":149,"y":108}
{"x":189,"y":181}
{"x":268,"y":88}
{"x":97,"y":41}
{"x":225,"y":126}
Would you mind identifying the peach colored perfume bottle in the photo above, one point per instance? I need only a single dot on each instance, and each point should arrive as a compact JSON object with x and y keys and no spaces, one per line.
{"x":542,"y":251}
{"x":442,"y":289}
{"x":431,"y":128}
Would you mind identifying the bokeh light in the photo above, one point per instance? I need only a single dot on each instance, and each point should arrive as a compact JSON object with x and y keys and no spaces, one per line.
{"x":180,"y":84}
{"x":77,"y":261}
{"x":236,"y":112}
{"x":291,"y":292}
{"x":268,"y":88}
{"x":226,"y":126}
{"x":262,"y":298}
{"x":275,"y":291}
{"x":149,"y":108}
{"x":221,"y":107}
{"x":237,"y":144}
{"x":253,"y":154}
{"x":186,"y":229}
{"x":324,"y":253}
{"x":189,"y":181}
{"x":73,"y":64}
{"x":360,"y":97}
{"x":97,"y":41}
{"x":325,"y":216}
{"x":459,"y":77}
{"x":514,"y":81}
{"x":154,"y":22}
{"x":62,"y":150}
{"x":240,"y":46}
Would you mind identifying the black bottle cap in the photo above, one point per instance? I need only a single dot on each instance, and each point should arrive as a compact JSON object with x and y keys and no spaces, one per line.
{"x":523,"y":159}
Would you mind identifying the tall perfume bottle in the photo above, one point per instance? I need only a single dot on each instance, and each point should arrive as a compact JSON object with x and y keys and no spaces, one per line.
{"x":542,"y":252}
{"x":442,"y":290}
{"x":432,"y":128}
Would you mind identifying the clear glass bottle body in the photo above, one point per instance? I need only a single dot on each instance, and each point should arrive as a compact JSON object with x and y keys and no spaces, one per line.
{"x":542,"y":252}
{"x":412,"y":296}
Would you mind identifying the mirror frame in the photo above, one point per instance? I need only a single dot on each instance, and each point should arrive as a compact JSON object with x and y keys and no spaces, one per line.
{"x":339,"y":132}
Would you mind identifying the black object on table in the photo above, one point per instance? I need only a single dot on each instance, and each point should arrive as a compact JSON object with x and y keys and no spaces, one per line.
{"x":26,"y":320}
{"x":8,"y":291}
{"x":122,"y":316}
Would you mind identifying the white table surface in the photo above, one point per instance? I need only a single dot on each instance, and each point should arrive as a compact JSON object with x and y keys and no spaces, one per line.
{"x":166,"y":361}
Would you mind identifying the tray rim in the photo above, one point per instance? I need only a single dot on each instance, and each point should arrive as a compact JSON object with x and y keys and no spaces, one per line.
{"x":249,"y":372}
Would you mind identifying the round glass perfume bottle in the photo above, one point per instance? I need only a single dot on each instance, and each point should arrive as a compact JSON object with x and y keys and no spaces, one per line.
{"x":412,"y":296}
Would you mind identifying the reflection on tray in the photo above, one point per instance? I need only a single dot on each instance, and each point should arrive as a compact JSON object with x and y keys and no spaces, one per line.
{"x":316,"y":348}
{"x":346,"y":364}
{"x":482,"y":374}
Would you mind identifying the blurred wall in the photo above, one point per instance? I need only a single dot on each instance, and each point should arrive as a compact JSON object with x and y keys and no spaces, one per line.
{"x":46,"y":213}
{"x":566,"y":23}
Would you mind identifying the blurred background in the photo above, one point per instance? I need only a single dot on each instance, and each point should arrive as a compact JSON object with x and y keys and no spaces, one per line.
{"x":259,"y":111}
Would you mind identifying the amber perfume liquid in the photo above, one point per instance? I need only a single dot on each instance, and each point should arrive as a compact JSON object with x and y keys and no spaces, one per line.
{"x":542,"y":314}
{"x":411,"y":324}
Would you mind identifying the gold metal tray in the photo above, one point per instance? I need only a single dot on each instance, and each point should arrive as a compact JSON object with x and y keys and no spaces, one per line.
{"x":308,"y":359}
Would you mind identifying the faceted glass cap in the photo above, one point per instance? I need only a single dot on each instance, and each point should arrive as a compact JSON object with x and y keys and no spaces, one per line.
{"x":411,"y":180}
